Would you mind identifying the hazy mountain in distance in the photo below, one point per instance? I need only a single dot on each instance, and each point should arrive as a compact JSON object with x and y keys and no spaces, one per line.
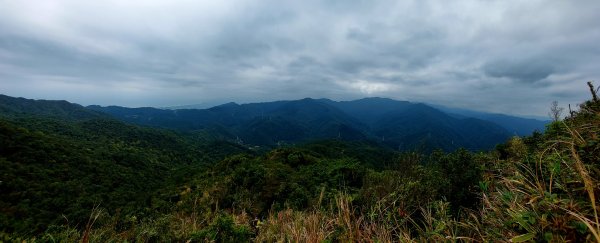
{"x":408,"y":125}
{"x":181,"y":107}
{"x":398,"y":124}
{"x":515,"y":125}
{"x":369,"y":110}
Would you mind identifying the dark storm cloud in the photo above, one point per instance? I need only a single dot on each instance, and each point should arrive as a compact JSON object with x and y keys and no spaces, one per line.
{"x":470,"y":54}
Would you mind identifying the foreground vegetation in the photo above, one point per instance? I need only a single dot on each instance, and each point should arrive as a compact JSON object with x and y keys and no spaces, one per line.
{"x":538,"y":188}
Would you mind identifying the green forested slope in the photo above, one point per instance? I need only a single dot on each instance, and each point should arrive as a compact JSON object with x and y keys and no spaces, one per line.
{"x":55,"y":171}
{"x":398,"y":125}
{"x":159,"y":186}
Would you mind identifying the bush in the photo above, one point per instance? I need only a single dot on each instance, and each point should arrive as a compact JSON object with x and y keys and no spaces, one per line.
{"x":223,"y":229}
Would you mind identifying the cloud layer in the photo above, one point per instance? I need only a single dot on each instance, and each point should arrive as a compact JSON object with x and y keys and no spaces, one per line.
{"x":499,"y":56}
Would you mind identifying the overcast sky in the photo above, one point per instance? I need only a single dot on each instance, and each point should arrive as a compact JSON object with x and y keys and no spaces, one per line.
{"x":500,"y":56}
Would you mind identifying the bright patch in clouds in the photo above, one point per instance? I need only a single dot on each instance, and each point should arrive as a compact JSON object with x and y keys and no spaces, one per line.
{"x":371,"y":88}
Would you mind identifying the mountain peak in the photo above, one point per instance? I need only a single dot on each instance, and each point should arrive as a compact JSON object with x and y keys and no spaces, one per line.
{"x":230,"y":105}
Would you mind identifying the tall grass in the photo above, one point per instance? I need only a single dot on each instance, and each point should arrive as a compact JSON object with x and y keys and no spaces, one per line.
{"x":549,"y":194}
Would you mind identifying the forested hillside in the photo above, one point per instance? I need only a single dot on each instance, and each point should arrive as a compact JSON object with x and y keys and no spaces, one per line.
{"x":399,"y":125}
{"x":59,"y":160}
{"x":97,"y":179}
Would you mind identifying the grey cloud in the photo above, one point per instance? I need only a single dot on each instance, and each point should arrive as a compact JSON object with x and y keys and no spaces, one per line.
{"x":51,"y":58}
{"x":303,"y":62}
{"x":166,"y":53}
{"x":529,"y":71}
{"x":359,"y":35}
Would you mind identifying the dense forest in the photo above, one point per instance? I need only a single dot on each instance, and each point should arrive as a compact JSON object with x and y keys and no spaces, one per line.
{"x":70,"y":173}
{"x":396,"y":124}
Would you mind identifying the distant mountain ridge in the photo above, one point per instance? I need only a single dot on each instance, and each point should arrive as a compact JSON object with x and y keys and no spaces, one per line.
{"x":11,"y":106}
{"x":515,"y":125}
{"x":398,"y":124}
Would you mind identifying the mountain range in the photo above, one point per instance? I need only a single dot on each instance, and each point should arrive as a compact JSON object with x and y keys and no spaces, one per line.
{"x":397,"y":124}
